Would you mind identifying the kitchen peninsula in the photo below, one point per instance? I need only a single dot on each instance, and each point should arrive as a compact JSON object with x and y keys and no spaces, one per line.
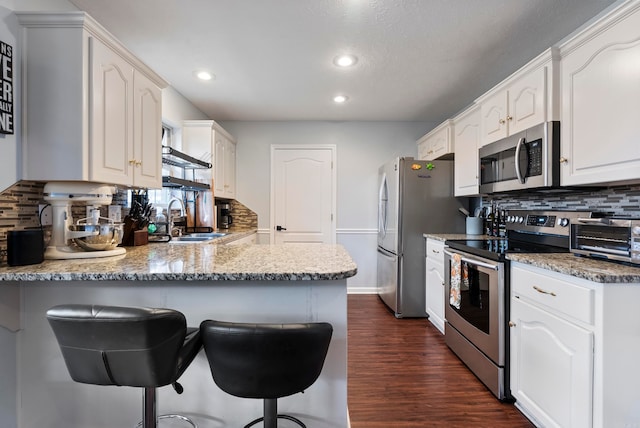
{"x":251,"y":283}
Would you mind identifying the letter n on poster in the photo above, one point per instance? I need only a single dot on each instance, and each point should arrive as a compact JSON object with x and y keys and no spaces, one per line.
{"x":6,"y":88}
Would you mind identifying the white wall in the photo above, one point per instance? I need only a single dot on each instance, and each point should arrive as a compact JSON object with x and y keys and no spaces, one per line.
{"x":361,"y":148}
{"x":9,"y":150}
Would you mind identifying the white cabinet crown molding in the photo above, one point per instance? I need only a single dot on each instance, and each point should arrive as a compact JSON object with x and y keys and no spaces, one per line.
{"x":601,"y":23}
{"x":551,"y":54}
{"x":82,"y":20}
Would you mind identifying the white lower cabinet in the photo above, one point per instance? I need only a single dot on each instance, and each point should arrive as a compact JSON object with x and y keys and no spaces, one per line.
{"x":434,"y":282}
{"x":552,"y":366}
{"x":571,"y":341}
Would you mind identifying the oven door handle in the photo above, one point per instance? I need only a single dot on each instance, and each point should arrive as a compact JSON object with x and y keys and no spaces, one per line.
{"x":592,"y":220}
{"x":473,"y":261}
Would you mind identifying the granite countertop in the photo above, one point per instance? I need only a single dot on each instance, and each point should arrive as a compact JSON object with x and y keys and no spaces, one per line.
{"x":601,"y":271}
{"x":445,"y":236}
{"x":582,"y":267}
{"x":202,"y":261}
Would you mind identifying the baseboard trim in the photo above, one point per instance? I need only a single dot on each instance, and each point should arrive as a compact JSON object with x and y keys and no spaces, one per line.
{"x":362,"y":290}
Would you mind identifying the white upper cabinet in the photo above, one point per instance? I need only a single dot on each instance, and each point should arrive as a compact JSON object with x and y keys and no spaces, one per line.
{"x":437,"y":143}
{"x":527,"y":98}
{"x":600,"y":91}
{"x":466,"y":131}
{"x":208,"y":141}
{"x":92,"y":111}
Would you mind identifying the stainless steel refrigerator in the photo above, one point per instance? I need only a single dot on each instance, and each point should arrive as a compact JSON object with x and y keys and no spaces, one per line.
{"x":415,"y":197}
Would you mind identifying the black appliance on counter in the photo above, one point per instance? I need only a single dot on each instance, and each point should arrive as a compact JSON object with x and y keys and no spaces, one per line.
{"x":225,"y":220}
{"x":477,"y":290}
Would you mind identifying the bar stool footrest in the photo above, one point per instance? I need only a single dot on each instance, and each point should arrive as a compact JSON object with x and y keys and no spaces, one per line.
{"x":287,"y":417}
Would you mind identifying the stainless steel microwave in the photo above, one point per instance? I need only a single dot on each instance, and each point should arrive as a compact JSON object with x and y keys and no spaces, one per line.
{"x":526,"y":160}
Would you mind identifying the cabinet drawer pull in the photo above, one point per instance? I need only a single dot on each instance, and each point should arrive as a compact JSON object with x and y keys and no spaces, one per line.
{"x":502,"y":121}
{"x":540,"y":290}
{"x":509,"y":117}
{"x":563,"y":160}
{"x":512,"y":324}
{"x":435,"y":251}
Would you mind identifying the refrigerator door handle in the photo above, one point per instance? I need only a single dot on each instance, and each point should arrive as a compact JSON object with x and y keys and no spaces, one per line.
{"x":386,"y":253}
{"x":383,"y":199}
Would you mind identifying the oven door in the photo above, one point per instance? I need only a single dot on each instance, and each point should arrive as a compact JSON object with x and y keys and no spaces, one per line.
{"x":475,"y":296}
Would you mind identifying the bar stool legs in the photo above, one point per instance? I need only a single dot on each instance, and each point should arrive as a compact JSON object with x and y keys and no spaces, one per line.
{"x":149,"y":411}
{"x":271,"y":416}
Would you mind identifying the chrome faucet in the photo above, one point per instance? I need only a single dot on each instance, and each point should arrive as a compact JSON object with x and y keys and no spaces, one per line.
{"x":170,"y":216}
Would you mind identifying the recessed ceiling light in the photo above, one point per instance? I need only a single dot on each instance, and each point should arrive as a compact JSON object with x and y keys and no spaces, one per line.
{"x":203,"y":75}
{"x":345,"y":60}
{"x":340,"y":99}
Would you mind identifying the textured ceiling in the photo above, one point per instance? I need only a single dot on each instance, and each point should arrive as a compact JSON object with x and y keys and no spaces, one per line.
{"x":421,"y":60}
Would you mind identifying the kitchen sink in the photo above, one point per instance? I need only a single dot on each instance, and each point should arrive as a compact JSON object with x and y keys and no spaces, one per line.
{"x":197,"y":237}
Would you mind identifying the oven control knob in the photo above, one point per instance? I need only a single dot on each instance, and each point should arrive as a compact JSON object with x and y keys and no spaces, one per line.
{"x":635,"y":230}
{"x":520,"y":219}
{"x":563,"y":222}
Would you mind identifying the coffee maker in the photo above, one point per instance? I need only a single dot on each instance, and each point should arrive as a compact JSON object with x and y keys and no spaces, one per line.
{"x":224,"y":216}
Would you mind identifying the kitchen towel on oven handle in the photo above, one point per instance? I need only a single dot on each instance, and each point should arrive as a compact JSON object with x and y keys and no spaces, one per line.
{"x":459,"y":280}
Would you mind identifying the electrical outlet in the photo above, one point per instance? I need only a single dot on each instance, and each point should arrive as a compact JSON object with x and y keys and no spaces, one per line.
{"x":46,"y":214}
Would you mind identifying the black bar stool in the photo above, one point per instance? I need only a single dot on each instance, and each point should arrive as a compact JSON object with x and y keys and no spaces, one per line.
{"x":265,"y":361}
{"x":126,"y":346}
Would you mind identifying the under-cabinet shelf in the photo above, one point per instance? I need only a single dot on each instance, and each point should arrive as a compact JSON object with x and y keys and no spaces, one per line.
{"x":173,"y":157}
{"x":183,"y":184}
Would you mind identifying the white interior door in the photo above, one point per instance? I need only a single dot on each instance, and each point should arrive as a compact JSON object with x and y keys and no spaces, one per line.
{"x":303,"y":188}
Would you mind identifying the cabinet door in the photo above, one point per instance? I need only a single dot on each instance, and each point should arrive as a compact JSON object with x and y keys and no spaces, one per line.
{"x":423,"y":148}
{"x":494,"y":118}
{"x":147,"y":125}
{"x":600,"y":108}
{"x":230,"y":169}
{"x":435,"y":283}
{"x":218,"y":173}
{"x":527,"y":101}
{"x":551,"y":367}
{"x":467,"y":162}
{"x":441,"y":143}
{"x":111,"y":153}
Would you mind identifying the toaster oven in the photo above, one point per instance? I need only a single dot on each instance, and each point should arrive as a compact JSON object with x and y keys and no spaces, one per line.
{"x":608,"y":238}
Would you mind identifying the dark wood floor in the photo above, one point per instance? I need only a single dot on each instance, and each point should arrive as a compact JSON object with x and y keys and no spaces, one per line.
{"x":401,"y":374}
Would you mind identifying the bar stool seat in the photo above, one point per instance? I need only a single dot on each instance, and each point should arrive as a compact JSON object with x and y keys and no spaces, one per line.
{"x":126,"y":346}
{"x":265,"y":361}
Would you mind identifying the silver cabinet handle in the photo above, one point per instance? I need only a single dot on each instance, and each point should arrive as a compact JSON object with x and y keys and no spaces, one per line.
{"x":540,"y":290}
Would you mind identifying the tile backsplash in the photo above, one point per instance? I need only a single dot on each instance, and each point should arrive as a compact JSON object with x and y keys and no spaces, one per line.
{"x":622,"y":201}
{"x":19,"y":205}
{"x":19,"y":210}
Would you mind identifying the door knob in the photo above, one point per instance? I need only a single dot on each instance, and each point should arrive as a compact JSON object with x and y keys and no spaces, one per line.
{"x":279,"y":228}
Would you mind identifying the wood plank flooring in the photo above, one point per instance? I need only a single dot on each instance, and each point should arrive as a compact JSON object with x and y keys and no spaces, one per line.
{"x":401,"y":374}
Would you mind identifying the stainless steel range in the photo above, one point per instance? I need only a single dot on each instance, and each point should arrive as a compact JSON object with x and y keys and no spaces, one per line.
{"x":477,"y":290}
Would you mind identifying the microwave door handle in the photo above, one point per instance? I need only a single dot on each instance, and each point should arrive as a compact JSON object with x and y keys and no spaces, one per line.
{"x":521,"y":178}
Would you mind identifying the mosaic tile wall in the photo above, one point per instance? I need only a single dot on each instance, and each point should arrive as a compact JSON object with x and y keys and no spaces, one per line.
{"x":19,"y":210}
{"x":621,"y":201}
